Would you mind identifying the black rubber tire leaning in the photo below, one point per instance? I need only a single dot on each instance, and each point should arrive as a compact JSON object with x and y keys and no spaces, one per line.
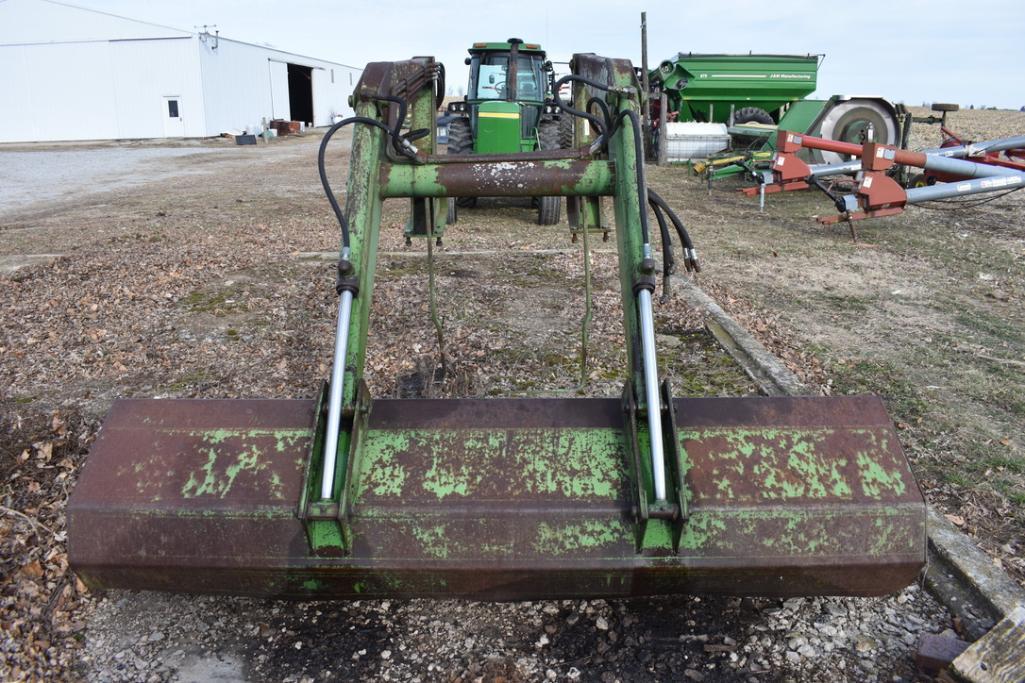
{"x":460,"y":141}
{"x":549,"y":210}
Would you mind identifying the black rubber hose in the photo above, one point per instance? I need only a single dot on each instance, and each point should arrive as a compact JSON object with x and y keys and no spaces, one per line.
{"x":668,"y":262}
{"x":321,"y":155}
{"x":690,"y":255}
{"x":657,"y":200}
{"x":598,"y":123}
{"x":605,"y":113}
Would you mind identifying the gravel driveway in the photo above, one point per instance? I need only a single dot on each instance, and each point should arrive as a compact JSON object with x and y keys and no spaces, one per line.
{"x":29,"y":177}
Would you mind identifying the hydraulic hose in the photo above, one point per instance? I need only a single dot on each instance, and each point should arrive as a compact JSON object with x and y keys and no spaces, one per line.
{"x":690,"y":254}
{"x":321,"y":167}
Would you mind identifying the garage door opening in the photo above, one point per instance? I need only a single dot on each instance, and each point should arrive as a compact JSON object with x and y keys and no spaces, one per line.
{"x":300,"y":93}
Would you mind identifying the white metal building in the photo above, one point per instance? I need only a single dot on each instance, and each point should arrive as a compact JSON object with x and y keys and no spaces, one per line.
{"x":70,"y":73}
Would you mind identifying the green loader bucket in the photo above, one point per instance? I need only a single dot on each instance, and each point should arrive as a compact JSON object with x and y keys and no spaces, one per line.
{"x":500,"y":499}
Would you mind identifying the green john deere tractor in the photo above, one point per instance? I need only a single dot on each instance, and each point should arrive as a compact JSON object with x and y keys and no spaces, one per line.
{"x":509,"y":108}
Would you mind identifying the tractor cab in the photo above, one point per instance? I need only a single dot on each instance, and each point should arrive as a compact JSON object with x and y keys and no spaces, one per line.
{"x":508,"y":96}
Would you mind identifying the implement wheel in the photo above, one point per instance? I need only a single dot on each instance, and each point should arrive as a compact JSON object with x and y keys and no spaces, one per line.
{"x":460,"y":141}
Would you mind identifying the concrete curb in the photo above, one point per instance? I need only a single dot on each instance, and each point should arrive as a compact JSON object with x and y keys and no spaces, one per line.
{"x":958,"y":573}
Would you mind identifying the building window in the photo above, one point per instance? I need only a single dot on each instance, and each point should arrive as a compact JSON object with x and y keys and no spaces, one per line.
{"x":172,"y":109}
{"x":332,"y":75}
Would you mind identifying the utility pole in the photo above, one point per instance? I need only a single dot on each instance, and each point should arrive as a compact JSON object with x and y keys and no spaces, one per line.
{"x":645,"y":120}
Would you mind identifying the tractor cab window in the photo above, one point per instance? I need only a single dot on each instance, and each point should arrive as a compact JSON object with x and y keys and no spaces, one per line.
{"x":492,"y":77}
{"x":529,"y":78}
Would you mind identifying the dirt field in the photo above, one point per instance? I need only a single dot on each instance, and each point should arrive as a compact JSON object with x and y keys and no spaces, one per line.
{"x":195,"y":284}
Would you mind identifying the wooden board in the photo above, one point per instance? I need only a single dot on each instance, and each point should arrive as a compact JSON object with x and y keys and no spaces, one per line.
{"x":997,"y":657}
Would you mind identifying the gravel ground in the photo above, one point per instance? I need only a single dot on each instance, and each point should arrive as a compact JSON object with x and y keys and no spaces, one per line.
{"x":196,"y":288}
{"x":31,"y":177}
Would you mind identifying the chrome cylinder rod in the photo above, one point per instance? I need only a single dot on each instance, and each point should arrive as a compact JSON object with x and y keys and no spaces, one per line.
{"x":334,"y":405}
{"x":658,"y":470}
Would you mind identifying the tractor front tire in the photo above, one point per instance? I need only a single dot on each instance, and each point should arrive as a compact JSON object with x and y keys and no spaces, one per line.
{"x":566,"y":131}
{"x":460,"y":141}
{"x":549,"y":209}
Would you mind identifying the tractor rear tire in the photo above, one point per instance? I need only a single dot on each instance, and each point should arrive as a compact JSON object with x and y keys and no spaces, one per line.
{"x":460,"y":141}
{"x":549,"y":209}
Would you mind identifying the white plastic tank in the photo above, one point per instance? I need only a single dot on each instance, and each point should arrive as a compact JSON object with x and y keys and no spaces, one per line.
{"x":693,"y":140}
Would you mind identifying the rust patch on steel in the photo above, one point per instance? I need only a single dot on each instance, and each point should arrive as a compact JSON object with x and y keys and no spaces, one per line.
{"x":499,"y":499}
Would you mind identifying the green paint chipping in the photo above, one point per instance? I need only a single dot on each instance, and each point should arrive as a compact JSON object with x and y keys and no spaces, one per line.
{"x":218,"y":474}
{"x":577,"y":463}
{"x":701,"y":530}
{"x":380,"y":472}
{"x":433,"y":540}
{"x":875,"y":478}
{"x":570,"y":538}
{"x":787,"y":464}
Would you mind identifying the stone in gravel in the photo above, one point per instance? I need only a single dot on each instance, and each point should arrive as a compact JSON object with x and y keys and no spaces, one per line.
{"x":573,"y":674}
{"x":807,"y":651}
{"x":551,"y":675}
{"x":793,"y":657}
{"x":864,"y":644}
{"x":386,"y":654}
{"x":601,"y":624}
{"x":550,"y":608}
{"x":572,"y":618}
{"x":694,"y":674}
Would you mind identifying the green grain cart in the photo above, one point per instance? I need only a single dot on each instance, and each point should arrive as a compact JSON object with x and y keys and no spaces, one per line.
{"x":509,"y":108}
{"x":768,"y":91}
{"x":757,"y":87}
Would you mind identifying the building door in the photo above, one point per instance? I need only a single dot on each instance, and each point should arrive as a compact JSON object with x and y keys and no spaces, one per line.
{"x":174,"y":124}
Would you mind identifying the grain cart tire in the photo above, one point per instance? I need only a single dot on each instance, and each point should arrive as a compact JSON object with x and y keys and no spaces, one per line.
{"x":943,"y":106}
{"x":752,"y":115}
{"x":549,"y":209}
{"x":460,"y":141}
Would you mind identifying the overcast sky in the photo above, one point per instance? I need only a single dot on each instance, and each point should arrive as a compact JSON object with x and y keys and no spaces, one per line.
{"x":968,"y":52}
